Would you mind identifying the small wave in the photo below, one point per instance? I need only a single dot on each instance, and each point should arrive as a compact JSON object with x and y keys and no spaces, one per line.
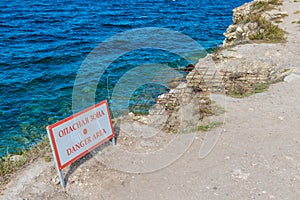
{"x":58,"y":60}
{"x":46,"y":78}
{"x":7,"y":26}
{"x":117,"y":25}
{"x":4,"y":64}
{"x":44,"y":40}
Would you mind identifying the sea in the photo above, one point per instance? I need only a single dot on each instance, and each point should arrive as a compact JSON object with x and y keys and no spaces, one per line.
{"x":44,"y":43}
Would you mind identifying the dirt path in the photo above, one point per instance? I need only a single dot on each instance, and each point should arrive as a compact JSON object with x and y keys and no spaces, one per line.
{"x":257,"y":155}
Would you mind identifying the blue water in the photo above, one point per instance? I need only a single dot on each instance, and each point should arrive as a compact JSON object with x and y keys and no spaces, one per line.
{"x":43,"y":43}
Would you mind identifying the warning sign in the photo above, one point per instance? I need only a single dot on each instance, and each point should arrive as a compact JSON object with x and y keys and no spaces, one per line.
{"x":80,"y":133}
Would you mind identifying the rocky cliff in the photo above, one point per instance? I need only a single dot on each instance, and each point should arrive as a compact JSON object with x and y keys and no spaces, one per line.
{"x":256,"y":20}
{"x":235,"y":70}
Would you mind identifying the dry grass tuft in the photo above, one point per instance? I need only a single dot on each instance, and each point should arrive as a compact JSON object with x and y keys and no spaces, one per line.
{"x":9,"y":165}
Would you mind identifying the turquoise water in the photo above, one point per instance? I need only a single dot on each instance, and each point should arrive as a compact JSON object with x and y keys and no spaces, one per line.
{"x":43,"y":44}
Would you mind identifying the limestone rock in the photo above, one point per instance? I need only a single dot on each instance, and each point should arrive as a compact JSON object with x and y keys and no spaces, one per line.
{"x":246,"y":23}
{"x":16,"y":158}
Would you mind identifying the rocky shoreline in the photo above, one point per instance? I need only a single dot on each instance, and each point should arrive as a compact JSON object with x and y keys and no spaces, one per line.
{"x":252,"y":151}
{"x":226,"y":71}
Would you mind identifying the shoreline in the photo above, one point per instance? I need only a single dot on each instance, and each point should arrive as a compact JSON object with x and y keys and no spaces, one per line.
{"x":209,"y":50}
{"x":22,"y":157}
{"x":233,"y":54}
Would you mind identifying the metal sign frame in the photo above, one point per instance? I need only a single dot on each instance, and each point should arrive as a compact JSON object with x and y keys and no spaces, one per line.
{"x":56,"y":154}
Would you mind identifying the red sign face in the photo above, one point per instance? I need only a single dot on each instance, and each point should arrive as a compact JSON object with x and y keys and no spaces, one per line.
{"x":80,"y":133}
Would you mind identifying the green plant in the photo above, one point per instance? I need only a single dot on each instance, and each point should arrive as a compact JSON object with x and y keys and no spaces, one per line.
{"x":208,"y":127}
{"x":261,"y":87}
{"x":263,"y":6}
{"x":237,"y":94}
{"x":258,"y":5}
{"x":270,"y":33}
{"x":240,"y":92}
{"x":8,"y":165}
{"x":217,"y":109}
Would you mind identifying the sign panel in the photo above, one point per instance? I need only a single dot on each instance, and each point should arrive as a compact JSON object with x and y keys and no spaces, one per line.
{"x":80,"y":133}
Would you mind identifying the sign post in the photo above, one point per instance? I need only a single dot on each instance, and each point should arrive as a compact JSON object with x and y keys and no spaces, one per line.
{"x":75,"y":136}
{"x":60,"y":176}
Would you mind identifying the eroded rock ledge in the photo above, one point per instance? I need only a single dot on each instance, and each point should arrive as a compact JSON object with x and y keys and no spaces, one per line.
{"x":235,"y":70}
{"x":256,"y":20}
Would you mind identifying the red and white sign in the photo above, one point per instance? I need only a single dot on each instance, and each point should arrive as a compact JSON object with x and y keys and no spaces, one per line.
{"x":80,"y":133}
